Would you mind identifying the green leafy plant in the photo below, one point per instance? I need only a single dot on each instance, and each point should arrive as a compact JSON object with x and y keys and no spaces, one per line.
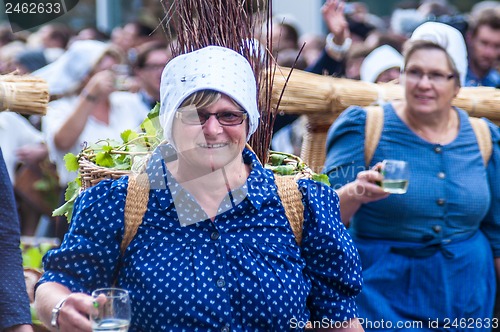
{"x":113,"y":154}
{"x":289,"y":164}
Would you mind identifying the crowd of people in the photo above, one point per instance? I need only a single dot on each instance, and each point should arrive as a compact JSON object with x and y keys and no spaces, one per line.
{"x":213,"y":215}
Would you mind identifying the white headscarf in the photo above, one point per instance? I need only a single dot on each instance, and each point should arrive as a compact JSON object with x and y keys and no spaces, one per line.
{"x":67,"y":72}
{"x":215,"y":68}
{"x":379,"y":60}
{"x":449,"y":38}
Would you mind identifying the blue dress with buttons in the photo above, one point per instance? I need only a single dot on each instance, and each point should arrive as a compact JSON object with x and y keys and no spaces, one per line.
{"x":242,"y":272}
{"x":426,"y":254}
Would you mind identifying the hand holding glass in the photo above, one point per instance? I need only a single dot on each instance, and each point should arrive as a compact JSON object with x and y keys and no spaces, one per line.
{"x":112,"y":310}
{"x":396,"y":176}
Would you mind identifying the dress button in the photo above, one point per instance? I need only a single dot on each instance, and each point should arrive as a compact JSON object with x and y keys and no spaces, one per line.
{"x":438,"y":149}
{"x":214,"y":235}
{"x":436,"y":228}
{"x":220,"y":282}
{"x":440,"y":201}
{"x":225,"y":329}
{"x":441,"y":175}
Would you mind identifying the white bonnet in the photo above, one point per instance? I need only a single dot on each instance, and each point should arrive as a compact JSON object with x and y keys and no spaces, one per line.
{"x":67,"y":72}
{"x":379,"y":60}
{"x":215,"y":68}
{"x":449,"y":38}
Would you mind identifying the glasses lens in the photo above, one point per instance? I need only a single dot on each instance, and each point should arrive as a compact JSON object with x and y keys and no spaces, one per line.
{"x":198,"y":117}
{"x":192,"y":117}
{"x":416,"y":75}
{"x":231,"y":118}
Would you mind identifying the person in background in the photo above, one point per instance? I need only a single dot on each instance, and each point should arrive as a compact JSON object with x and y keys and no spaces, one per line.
{"x":30,"y":60}
{"x":88,"y":105}
{"x":483,"y":41}
{"x":90,"y":33}
{"x":52,"y":38}
{"x":285,"y":44}
{"x":215,"y":250}
{"x":151,"y":59}
{"x":20,"y":142}
{"x":312,"y":46}
{"x":419,"y":249}
{"x":285,"y":34}
{"x":382,"y":65}
{"x":15,"y":313}
{"x":130,"y":36}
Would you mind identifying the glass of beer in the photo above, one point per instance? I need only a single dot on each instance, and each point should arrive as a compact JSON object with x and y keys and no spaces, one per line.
{"x":396,"y":176}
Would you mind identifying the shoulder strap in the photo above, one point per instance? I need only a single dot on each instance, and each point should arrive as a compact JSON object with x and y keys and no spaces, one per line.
{"x":373,"y":130}
{"x":375,"y":123}
{"x":138,"y":195}
{"x":483,"y":136}
{"x":291,"y":197}
{"x":136,"y":204}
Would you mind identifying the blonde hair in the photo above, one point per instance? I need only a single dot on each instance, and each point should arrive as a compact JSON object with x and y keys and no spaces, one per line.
{"x":204,"y":99}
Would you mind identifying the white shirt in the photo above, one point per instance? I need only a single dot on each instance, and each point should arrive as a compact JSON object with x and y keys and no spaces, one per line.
{"x":127,"y":112}
{"x":15,"y":132}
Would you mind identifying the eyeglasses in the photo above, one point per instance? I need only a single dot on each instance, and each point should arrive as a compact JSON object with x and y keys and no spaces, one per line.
{"x":199,"y":117}
{"x":435,"y":77}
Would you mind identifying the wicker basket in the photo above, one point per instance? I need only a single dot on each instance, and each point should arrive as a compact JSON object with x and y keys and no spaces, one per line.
{"x":91,"y":174}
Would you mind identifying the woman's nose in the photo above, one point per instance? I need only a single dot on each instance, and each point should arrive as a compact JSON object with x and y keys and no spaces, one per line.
{"x":212,"y":126}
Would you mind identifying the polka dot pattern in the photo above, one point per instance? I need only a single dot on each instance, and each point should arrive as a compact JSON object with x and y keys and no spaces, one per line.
{"x":14,"y":301}
{"x":242,"y":272}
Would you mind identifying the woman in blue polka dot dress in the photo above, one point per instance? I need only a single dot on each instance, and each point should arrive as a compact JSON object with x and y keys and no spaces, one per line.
{"x":214,"y":251}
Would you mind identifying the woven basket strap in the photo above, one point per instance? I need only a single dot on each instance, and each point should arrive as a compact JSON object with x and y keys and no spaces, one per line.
{"x":291,"y":198}
{"x":136,"y":204}
{"x":373,"y":130}
{"x":483,"y":136}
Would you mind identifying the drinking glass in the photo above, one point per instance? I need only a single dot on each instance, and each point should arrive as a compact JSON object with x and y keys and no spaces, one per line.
{"x":396,"y":176}
{"x":113,"y":314}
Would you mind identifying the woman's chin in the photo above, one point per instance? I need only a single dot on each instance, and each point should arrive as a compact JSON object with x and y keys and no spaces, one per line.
{"x":212,"y":159}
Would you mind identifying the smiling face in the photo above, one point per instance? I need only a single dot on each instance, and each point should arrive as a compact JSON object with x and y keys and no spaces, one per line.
{"x":430,"y":81}
{"x":204,"y":148}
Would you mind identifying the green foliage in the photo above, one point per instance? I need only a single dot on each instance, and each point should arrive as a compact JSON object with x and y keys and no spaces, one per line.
{"x":70,"y":196}
{"x":288,"y":164}
{"x":113,"y":154}
{"x":71,"y":162}
{"x":33,"y":254}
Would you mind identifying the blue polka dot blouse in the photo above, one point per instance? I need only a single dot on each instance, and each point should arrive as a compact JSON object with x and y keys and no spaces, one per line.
{"x":242,"y":272}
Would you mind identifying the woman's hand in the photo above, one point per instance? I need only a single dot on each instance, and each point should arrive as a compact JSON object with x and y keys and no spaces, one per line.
{"x":333,"y":15}
{"x":360,"y":191}
{"x":101,"y":85}
{"x":75,"y":312}
{"x":366,"y":187}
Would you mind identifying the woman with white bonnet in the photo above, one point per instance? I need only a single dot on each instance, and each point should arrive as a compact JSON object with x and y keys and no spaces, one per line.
{"x":430,"y":256}
{"x":214,"y":250}
{"x":449,"y":38}
{"x":382,"y":65}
